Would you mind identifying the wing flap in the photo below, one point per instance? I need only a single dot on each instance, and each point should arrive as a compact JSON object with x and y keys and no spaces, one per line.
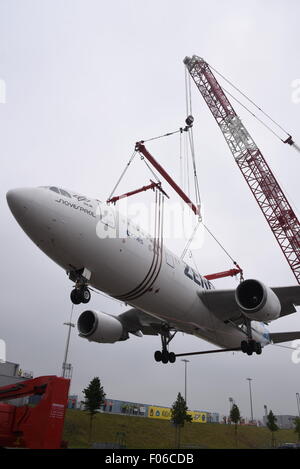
{"x":279,"y":337}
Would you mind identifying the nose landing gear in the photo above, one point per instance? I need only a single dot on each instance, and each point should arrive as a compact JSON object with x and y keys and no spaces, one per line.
{"x":81,"y":292}
{"x":80,"y":295}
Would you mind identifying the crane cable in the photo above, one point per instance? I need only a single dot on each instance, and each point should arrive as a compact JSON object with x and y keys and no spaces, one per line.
{"x":196,"y":182}
{"x":189,"y":142}
{"x":289,"y":140}
{"x":251,"y":101}
{"x":126,"y":168}
{"x":122,"y":175}
{"x":188,"y":102}
{"x":186,"y":248}
{"x":189,"y":114}
{"x":161,"y":136}
{"x":215,"y":239}
{"x":220,"y":244}
{"x":151,"y":170}
{"x":252,"y":114}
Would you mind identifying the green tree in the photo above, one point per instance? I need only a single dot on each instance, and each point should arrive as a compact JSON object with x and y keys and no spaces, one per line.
{"x":94,"y":398}
{"x":297,"y":427}
{"x":179,"y":416}
{"x":271,"y":424}
{"x":235,"y":417}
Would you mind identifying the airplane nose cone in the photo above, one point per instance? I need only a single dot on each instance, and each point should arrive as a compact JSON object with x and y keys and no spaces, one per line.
{"x":30,"y":207}
{"x":18,"y":200}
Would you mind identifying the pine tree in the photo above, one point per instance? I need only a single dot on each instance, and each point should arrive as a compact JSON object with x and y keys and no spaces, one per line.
{"x":94,"y":398}
{"x":179,"y":416}
{"x":297,"y":427}
{"x":235,"y":417}
{"x":271,"y":424}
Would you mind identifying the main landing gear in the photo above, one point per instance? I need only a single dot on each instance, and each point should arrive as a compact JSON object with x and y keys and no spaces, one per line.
{"x":250,"y":346}
{"x":165,"y":356}
{"x":81,"y":292}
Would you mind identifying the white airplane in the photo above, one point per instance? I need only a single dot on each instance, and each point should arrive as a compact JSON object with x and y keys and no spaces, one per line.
{"x":100,"y":248}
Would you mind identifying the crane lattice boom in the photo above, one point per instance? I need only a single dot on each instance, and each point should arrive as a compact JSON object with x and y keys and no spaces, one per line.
{"x":258,"y":175}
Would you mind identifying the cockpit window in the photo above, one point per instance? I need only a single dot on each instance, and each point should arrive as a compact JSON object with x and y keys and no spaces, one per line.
{"x":65,"y":193}
{"x":60,"y":191}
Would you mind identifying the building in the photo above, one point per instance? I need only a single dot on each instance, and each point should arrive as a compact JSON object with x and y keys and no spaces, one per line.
{"x":11,"y":373}
{"x":114,"y":406}
{"x":125,"y":407}
{"x":72,"y":402}
{"x":283,"y":421}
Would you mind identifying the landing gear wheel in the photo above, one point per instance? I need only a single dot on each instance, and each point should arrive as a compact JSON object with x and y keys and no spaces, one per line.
{"x":165,"y":356}
{"x":85,"y":295}
{"x":244,"y":346}
{"x":80,"y":295}
{"x":258,"y":348}
{"x":75,"y":296}
{"x":251,"y":347}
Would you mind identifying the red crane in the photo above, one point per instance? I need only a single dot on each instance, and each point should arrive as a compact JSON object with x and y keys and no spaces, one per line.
{"x":257,"y":173}
{"x":38,"y":427}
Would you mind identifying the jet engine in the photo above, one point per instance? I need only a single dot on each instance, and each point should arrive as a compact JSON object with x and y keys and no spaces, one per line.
{"x":100,"y":327}
{"x":257,"y":302}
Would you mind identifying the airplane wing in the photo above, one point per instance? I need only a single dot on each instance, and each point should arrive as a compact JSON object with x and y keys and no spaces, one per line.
{"x":222,"y":302}
{"x":289,"y":298}
{"x":279,"y":337}
{"x":137,"y":321}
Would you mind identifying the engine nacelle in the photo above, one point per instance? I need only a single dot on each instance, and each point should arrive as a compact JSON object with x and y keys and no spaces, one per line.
{"x":100,"y":327}
{"x":257,"y":302}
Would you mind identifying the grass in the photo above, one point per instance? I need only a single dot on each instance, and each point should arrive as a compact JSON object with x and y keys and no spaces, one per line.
{"x":145,"y":433}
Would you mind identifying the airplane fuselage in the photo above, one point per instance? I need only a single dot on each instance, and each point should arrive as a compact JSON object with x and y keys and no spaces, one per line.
{"x":125,"y":263}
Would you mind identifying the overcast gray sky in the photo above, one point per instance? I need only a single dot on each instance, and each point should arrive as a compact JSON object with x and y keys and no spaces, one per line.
{"x":84,"y":81}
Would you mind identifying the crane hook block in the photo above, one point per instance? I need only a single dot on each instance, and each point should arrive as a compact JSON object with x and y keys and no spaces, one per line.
{"x":289,"y":140}
{"x":189,"y":121}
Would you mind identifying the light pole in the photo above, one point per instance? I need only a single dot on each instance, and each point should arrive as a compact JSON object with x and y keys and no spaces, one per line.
{"x":66,"y":366}
{"x":266,"y":414}
{"x":250,"y":379}
{"x":185,"y":377}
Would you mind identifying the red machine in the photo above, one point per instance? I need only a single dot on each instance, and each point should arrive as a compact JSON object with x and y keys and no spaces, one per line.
{"x":38,"y":427}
